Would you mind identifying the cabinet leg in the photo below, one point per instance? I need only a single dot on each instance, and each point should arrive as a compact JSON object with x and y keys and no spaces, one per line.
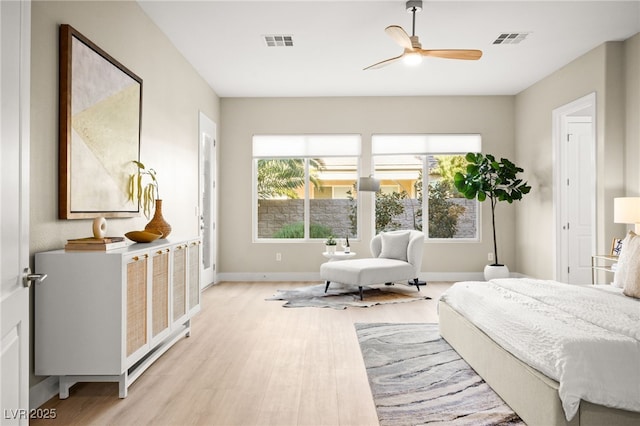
{"x":122,"y":386}
{"x":63,"y":387}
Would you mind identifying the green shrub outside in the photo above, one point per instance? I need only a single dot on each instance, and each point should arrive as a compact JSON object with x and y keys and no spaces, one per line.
{"x":296,"y":230}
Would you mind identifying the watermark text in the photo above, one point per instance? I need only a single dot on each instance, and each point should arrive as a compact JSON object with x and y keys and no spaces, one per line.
{"x":23,"y":414}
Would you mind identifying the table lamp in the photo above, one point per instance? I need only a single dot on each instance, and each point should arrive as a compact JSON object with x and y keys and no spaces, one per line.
{"x":627,"y":210}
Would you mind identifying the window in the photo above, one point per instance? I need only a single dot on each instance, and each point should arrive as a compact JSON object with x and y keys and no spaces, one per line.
{"x":416,"y":180}
{"x":304,"y":186}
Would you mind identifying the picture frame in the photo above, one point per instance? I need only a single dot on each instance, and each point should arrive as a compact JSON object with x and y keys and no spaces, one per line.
{"x":100,"y":116}
{"x":616,"y":247}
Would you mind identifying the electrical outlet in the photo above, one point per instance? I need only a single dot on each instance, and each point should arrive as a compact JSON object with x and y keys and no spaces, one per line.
{"x":490,"y":257}
{"x":278,"y":257}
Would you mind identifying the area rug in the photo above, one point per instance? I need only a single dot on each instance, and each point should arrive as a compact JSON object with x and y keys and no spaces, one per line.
{"x":417,"y":379}
{"x":339,"y":297}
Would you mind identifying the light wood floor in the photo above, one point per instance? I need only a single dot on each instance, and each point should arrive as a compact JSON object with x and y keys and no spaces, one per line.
{"x":251,"y":362}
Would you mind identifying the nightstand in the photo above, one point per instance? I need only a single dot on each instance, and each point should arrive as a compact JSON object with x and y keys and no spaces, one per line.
{"x":602,"y":262}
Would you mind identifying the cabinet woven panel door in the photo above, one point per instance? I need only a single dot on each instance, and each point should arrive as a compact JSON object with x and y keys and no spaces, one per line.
{"x":179,"y":282}
{"x":160,"y":293}
{"x":136,"y":305}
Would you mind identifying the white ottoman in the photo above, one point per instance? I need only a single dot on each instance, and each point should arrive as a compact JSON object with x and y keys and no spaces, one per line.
{"x":362,"y":272}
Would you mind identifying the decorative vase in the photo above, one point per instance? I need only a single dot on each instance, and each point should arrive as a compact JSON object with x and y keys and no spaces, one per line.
{"x":495,"y":271}
{"x":158,"y":223}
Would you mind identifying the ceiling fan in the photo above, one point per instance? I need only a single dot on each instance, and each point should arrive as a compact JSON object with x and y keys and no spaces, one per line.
{"x":413,"y":51}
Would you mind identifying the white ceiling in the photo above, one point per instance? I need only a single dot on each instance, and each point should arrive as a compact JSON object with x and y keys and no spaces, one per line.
{"x":335,"y":40}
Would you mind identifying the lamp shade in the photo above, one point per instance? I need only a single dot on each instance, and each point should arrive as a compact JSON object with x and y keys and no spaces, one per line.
{"x":368,"y":184}
{"x":627,"y":210}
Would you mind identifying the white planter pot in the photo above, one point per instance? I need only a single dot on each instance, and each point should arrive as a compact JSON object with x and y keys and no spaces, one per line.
{"x":330,"y":249}
{"x":495,"y":271}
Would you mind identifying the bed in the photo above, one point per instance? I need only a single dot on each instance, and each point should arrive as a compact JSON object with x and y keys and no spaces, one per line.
{"x":546,"y":378}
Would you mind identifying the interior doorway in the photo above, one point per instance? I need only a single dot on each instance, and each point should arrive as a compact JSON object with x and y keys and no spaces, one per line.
{"x":15,"y":37}
{"x":575,"y":188}
{"x":207,"y":153}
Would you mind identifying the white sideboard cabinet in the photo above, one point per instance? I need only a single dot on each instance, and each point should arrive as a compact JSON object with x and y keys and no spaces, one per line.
{"x":108,"y":315}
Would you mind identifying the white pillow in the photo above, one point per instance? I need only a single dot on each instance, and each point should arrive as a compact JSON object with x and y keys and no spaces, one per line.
{"x":632,"y":280}
{"x":394,"y":246}
{"x":621,"y":272}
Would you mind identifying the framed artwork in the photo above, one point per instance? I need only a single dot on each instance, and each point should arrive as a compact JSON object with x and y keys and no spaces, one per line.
{"x":99,"y":130}
{"x":616,"y":246}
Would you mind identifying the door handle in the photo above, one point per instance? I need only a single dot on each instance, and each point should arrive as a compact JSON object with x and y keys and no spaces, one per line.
{"x":28,"y":277}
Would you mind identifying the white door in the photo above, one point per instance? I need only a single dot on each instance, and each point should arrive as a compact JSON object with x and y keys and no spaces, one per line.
{"x":15,"y":22}
{"x":580,"y":179}
{"x":208,"y":199}
{"x":575,"y":189}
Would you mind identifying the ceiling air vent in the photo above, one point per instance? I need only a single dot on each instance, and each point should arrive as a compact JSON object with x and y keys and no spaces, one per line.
{"x":510,"y":38}
{"x":278,"y":40}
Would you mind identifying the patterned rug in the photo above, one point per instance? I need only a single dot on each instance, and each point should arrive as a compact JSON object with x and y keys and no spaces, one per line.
{"x":339,"y":297}
{"x":417,"y":379}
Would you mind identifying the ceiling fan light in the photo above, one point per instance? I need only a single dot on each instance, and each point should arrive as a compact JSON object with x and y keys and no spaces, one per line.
{"x":412,"y":59}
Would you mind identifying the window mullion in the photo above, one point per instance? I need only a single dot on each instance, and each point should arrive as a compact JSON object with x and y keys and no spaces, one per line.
{"x":425,"y":195}
{"x":307,"y":193}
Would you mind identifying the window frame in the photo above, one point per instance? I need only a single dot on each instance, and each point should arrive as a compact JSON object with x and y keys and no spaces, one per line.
{"x":437,"y":144}
{"x":319,"y":150}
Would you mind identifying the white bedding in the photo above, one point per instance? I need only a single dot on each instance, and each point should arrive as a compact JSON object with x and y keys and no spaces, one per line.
{"x":587,"y":338}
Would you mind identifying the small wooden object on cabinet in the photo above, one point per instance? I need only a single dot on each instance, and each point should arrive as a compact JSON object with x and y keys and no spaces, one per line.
{"x":106,"y":316}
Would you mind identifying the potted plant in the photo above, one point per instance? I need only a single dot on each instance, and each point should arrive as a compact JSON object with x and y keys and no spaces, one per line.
{"x":330,"y":244}
{"x":148,"y":197}
{"x":487,"y":178}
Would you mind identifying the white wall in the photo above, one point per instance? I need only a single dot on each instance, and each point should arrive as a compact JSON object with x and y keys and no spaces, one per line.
{"x":599,"y":71}
{"x":492,"y":116}
{"x":632,"y":114}
{"x":517,"y":127}
{"x":173,"y":93}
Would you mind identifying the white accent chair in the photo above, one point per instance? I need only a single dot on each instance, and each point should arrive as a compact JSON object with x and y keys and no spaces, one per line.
{"x":397,"y":255}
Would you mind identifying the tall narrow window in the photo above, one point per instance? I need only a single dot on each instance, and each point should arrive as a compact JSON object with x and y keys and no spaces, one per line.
{"x":305,"y":186}
{"x":416,"y":185}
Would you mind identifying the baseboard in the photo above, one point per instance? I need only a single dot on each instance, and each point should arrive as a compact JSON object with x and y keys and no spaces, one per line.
{"x":268,"y":276}
{"x":518,"y":275}
{"x":315,"y":276}
{"x":43,"y":391}
{"x":452,"y":276}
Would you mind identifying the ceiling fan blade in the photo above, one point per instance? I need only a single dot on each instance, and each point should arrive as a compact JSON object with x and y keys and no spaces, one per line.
{"x":384,"y":63}
{"x":399,"y":35}
{"x":470,"y":55}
